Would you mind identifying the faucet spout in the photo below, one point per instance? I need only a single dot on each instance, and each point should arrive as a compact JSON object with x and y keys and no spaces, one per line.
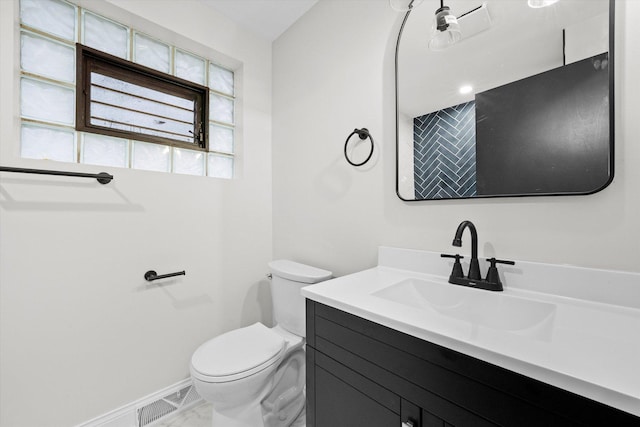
{"x":474,"y":266}
{"x":473,"y":279}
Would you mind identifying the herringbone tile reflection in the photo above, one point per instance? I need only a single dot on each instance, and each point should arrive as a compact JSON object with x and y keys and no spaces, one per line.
{"x":445,"y":153}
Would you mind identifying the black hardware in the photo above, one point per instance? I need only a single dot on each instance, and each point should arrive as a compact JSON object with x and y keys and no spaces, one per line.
{"x":363,"y":134}
{"x":474,"y":266}
{"x":492,"y":273}
{"x":151,"y":275}
{"x":102,"y":177}
{"x":441,"y":22}
{"x":474,"y":279}
{"x":457,"y":267}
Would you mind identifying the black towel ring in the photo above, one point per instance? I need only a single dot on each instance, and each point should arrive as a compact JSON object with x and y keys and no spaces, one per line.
{"x":363,"y":134}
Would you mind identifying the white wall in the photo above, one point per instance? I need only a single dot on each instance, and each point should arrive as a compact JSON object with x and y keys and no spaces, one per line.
{"x":81,"y":332}
{"x":333,"y":71}
{"x":406,"y":167}
{"x":586,"y":39}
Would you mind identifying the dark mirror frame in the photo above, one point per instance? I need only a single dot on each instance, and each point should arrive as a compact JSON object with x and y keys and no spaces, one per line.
{"x":611,"y":122}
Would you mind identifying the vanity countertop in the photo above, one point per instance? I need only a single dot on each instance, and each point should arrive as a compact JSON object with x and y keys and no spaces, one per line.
{"x":574,"y":328}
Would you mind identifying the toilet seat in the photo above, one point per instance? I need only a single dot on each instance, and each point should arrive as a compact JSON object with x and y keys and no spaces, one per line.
{"x":237,"y":354}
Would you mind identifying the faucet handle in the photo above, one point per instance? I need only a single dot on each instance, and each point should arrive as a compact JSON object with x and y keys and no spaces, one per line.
{"x":492,"y":274}
{"x":457,"y":267}
{"x":494,"y":261}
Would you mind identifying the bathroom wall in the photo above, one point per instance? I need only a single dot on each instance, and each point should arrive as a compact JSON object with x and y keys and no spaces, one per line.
{"x":333,"y":71}
{"x":81,"y":332}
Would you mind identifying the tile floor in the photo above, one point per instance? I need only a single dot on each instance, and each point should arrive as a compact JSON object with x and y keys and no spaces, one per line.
{"x":197,"y":416}
{"x":200,"y":416}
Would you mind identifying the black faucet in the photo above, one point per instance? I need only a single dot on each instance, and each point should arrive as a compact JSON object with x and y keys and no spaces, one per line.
{"x":474,"y":266}
{"x":474,"y":279}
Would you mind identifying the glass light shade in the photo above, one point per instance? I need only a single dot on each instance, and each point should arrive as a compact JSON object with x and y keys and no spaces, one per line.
{"x":536,"y":4}
{"x":446,"y":31}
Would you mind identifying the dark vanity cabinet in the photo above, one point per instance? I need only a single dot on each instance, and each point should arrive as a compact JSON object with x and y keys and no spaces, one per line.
{"x":362,"y":374}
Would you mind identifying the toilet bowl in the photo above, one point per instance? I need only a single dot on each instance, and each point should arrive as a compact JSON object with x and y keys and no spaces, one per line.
{"x":255,"y":376}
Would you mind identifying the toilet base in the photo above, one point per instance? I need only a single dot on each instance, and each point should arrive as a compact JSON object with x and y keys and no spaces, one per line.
{"x":273,"y":397}
{"x":282,"y":405}
{"x":301,"y":421}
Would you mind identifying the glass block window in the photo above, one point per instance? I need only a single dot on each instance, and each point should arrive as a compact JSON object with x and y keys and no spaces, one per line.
{"x":151,"y":157}
{"x":47,"y":102}
{"x":221,"y":138}
{"x":221,"y":80}
{"x":53,"y":34}
{"x":152,"y":53}
{"x":56,"y":18}
{"x":221,"y":109}
{"x":190,"y":67}
{"x":41,"y":142}
{"x":104,"y":150}
{"x":119,"y":98}
{"x":220,"y":166}
{"x":188,"y":162}
{"x":62,"y":63}
{"x":105,"y":35}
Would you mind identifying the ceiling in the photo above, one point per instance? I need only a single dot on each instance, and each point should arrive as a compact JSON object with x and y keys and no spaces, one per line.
{"x":265,"y":18}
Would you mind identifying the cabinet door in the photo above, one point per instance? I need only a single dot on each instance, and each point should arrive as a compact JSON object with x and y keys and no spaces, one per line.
{"x":343,"y":398}
{"x":339,"y":404}
{"x":411,"y":414}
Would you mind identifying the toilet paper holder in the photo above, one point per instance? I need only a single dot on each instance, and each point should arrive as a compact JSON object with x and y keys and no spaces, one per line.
{"x":151,"y":275}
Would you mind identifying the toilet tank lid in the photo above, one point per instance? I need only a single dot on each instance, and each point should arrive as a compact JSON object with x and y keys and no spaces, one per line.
{"x":298,"y":272}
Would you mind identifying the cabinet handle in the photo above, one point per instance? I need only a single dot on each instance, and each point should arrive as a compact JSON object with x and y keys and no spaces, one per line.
{"x":407,"y":423}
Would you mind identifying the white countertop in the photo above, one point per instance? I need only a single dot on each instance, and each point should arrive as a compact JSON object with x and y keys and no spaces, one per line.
{"x":586,"y":346}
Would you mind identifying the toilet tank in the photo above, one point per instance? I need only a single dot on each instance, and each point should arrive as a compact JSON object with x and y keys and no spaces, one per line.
{"x":287,"y":279}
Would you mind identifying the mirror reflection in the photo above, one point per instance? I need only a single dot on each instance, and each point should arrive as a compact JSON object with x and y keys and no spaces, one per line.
{"x":514,"y":101}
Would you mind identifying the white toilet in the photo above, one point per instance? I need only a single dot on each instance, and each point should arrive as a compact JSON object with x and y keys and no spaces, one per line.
{"x":255,"y":376}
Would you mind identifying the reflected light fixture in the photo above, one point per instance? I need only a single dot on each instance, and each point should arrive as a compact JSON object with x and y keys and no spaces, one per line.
{"x":537,"y":4}
{"x":465,"y":89}
{"x":404,"y":5}
{"x":446,"y":30}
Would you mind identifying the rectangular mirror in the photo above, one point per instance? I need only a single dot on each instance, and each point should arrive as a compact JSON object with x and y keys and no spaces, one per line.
{"x":521,"y":104}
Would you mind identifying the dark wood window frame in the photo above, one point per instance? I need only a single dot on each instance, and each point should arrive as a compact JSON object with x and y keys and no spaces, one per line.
{"x":89,"y":60}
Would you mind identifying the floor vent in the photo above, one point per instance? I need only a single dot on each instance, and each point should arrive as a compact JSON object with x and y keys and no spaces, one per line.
{"x":154,"y":411}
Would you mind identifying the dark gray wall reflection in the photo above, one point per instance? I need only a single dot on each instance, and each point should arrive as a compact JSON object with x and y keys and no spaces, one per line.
{"x":546,"y":134}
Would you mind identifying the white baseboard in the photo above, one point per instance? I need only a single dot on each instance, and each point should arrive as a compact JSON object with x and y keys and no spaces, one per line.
{"x":127,"y":415}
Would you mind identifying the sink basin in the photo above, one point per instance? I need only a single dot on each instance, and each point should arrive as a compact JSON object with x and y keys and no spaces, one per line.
{"x":478,"y":307}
